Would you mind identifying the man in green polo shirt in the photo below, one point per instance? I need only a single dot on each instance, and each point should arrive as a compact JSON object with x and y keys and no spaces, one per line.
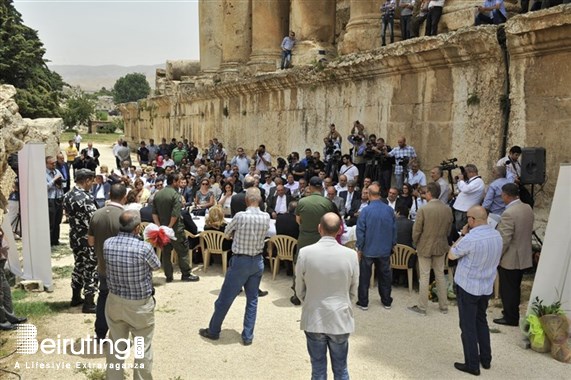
{"x":167,"y":205}
{"x":308,"y":214}
{"x":178,"y":154}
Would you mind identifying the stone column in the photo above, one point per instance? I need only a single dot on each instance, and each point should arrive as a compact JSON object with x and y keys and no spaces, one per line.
{"x":270,"y":19}
{"x":313,"y":22}
{"x":237,"y":37}
{"x":363,"y":29}
{"x":210,"y":15}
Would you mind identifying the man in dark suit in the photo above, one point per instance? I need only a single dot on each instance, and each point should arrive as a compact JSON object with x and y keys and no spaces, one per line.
{"x":286,"y":224}
{"x":91,"y":152}
{"x":278,"y":202}
{"x":63,"y":168}
{"x":516,"y":229}
{"x":352,"y":199}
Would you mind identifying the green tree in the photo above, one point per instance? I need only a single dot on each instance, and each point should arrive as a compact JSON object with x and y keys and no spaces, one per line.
{"x":79,"y":110}
{"x":130,"y":88}
{"x":22,"y":65}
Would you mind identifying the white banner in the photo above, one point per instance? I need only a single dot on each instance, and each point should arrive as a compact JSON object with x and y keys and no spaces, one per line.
{"x":553,"y":277}
{"x":36,"y":248}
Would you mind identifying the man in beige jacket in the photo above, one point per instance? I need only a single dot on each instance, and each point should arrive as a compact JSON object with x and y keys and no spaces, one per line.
{"x":516,"y":228}
{"x":430,"y":236}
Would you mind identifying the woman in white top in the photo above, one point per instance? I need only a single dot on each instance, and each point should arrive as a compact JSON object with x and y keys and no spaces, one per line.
{"x":226,"y":198}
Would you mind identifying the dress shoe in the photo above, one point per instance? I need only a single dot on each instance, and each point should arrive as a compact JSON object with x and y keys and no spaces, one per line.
{"x":503,"y":321}
{"x":7,"y":326}
{"x":206,"y":334}
{"x":190,"y":278}
{"x":464,"y":368}
{"x":295,"y":300}
{"x":89,"y":306}
{"x":169,"y":280}
{"x":485,"y":365}
{"x":246,"y":342}
{"x":16,"y":320}
{"x":262,"y":293}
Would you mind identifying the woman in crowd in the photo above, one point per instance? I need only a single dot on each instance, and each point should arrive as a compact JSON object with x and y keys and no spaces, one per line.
{"x":417,"y":200}
{"x":226,"y":198}
{"x":215,"y":222}
{"x":133,"y":201}
{"x":406,"y":195}
{"x":142,"y":193}
{"x":204,"y":197}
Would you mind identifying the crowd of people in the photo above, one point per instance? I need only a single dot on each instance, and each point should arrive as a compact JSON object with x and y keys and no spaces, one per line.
{"x":363,"y":185}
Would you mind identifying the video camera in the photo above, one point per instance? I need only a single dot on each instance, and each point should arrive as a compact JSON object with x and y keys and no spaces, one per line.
{"x":403,"y":161}
{"x":449,"y":164}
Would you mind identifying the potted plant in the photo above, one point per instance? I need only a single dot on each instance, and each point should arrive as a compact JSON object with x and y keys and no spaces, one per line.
{"x":555,"y":325}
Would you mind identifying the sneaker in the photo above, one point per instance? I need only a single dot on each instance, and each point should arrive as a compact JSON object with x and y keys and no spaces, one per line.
{"x":388,"y":307}
{"x":362,"y":307}
{"x":295,"y":300}
{"x":417,"y":310}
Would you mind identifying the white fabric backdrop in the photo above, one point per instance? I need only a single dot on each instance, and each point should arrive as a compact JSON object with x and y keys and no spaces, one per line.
{"x":553,"y":276}
{"x":36,"y":248}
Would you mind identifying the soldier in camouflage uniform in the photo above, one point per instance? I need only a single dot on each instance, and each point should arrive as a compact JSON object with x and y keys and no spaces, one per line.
{"x":80,"y":206}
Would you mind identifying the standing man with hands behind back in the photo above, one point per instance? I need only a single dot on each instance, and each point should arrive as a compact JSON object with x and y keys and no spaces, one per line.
{"x":328,"y":277}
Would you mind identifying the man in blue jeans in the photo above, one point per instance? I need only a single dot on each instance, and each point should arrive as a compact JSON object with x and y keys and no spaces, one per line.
{"x":376,"y":236}
{"x":327,"y":279}
{"x":249,"y":230}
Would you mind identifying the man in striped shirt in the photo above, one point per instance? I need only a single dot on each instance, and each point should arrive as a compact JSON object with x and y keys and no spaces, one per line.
{"x":478,"y":252}
{"x":130,"y":307}
{"x":248,"y":229}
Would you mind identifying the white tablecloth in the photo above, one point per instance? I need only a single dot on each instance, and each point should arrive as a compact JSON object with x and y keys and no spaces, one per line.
{"x":199,"y":221}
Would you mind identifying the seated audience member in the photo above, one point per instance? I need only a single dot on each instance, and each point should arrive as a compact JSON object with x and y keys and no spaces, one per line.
{"x":204,"y":197}
{"x":352,"y":198}
{"x":492,"y":12}
{"x":278,"y":201}
{"x":336,"y":200}
{"x":215,"y":222}
{"x":417,"y":201}
{"x":292,"y":185}
{"x":226,"y":198}
{"x":142,"y":193}
{"x":286,"y":224}
{"x":404,"y":236}
{"x":352,"y":220}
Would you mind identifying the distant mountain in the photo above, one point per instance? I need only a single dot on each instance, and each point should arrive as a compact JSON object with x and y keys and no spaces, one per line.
{"x":92,"y":78}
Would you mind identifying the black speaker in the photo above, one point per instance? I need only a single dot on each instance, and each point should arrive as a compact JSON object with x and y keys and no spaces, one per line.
{"x":532,"y":166}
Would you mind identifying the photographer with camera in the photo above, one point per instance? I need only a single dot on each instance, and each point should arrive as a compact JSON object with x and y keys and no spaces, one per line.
{"x":334,"y":136}
{"x":295,"y":167}
{"x":471,"y":192}
{"x":358,"y":152}
{"x":402,"y":155}
{"x":263,"y":161}
{"x":332,"y":156}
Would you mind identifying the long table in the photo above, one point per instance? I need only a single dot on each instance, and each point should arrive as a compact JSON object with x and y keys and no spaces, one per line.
{"x":200,"y":221}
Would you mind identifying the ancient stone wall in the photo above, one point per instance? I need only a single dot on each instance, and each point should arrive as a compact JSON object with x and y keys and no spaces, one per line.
{"x":447,"y":94}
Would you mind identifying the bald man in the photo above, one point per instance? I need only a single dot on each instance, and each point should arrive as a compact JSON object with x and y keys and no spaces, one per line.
{"x":478,"y":252}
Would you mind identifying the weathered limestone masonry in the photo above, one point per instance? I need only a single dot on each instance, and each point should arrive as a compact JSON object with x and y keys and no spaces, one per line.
{"x":15,"y":132}
{"x":448,"y":94}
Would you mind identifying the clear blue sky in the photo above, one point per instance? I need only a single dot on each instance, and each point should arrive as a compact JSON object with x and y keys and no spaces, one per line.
{"x":100,"y":32}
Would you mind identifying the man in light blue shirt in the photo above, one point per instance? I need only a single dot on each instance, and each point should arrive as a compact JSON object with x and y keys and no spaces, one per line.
{"x":493,"y":201}
{"x":492,"y":12}
{"x":478,"y":255}
{"x":287,"y":46}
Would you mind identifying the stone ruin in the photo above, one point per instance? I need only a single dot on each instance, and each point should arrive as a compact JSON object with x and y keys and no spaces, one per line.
{"x":469,"y":92}
{"x":16,"y":131}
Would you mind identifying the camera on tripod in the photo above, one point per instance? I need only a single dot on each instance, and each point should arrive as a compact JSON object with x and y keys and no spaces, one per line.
{"x":403,"y":161}
{"x":449,"y":164}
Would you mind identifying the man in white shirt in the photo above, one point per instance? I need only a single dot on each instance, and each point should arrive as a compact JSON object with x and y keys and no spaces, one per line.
{"x":348,"y":169}
{"x":471,"y":192}
{"x":512,"y":163}
{"x":291,"y":184}
{"x":392,"y":197}
{"x":342,"y":184}
{"x":267,"y":186}
{"x":263,"y":160}
{"x":415,"y":175}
